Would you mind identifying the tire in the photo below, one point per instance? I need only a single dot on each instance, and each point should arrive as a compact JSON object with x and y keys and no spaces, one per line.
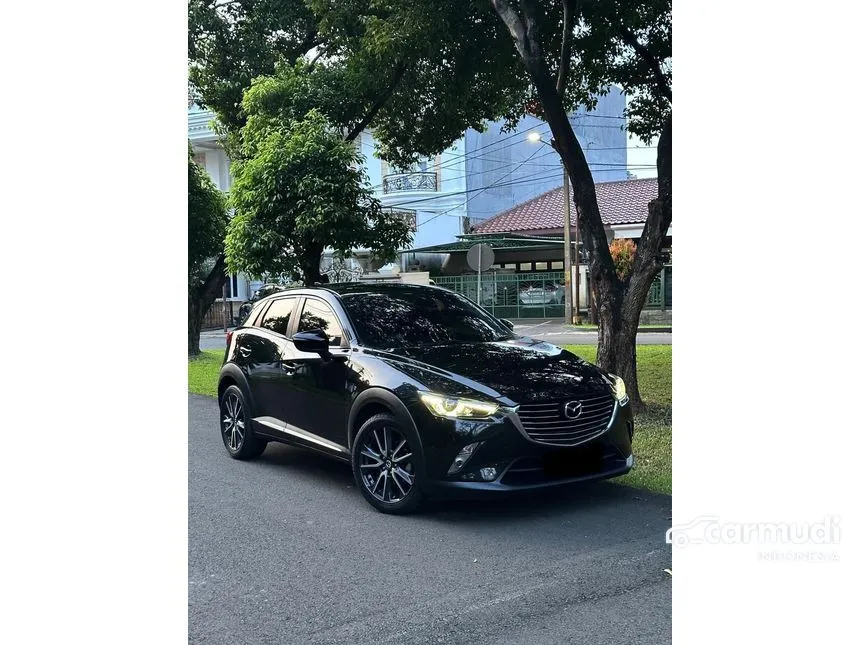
{"x":394,"y":485}
{"x":235,"y":424}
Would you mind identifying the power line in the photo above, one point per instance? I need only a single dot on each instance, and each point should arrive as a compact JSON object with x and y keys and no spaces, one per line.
{"x":495,"y":183}
{"x":611,"y":168}
{"x":522,"y":180}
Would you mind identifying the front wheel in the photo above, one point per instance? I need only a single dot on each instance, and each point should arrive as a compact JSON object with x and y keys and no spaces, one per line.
{"x":236,"y":433}
{"x":385,"y":462}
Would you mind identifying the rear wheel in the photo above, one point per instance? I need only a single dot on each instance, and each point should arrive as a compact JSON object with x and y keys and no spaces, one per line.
{"x":386,"y":464}
{"x":239,"y":440}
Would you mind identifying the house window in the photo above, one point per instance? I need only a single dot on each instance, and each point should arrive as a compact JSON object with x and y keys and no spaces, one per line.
{"x":200,"y":160}
{"x":540,"y":266}
{"x":525,"y":266}
{"x":232,"y":286}
{"x":509,"y":265}
{"x":558,"y":265}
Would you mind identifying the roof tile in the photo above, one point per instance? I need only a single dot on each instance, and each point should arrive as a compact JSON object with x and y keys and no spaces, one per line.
{"x":621,"y":202}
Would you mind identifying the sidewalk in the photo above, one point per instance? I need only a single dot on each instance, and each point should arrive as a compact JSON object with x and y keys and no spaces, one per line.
{"x":558,"y":326}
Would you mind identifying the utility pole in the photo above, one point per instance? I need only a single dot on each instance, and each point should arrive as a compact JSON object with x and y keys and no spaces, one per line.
{"x":571,"y":300}
{"x":576,"y":320}
{"x":568,"y":299}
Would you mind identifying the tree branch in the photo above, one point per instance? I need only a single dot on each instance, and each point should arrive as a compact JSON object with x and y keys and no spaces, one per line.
{"x":653,"y":64}
{"x":399,"y":69}
{"x":648,"y":262}
{"x":566,"y":38}
{"x":313,"y":61}
{"x":569,"y":148}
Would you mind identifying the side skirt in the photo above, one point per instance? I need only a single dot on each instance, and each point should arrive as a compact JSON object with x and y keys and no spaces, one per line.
{"x":273,"y":428}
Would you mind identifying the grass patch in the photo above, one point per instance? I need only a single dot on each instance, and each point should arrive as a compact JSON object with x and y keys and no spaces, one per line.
{"x":203,"y":372}
{"x":652,"y":443}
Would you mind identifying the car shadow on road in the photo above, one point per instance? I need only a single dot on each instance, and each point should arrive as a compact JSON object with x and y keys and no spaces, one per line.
{"x":579,"y":498}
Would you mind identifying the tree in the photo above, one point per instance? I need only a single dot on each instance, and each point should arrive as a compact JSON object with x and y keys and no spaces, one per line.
{"x":300,"y":187}
{"x":597,"y":43}
{"x":232,"y":42}
{"x":207,"y":222}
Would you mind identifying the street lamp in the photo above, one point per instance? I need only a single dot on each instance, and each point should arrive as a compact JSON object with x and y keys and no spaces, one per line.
{"x":570,"y":312}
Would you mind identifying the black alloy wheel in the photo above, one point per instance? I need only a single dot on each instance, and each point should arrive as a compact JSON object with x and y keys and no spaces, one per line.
{"x":236,"y":433}
{"x":385,"y":464}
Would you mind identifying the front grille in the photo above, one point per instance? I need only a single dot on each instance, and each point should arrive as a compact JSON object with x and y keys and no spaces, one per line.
{"x":547,"y":423}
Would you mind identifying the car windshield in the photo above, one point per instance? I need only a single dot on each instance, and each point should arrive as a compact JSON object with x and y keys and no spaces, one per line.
{"x":431,"y":317}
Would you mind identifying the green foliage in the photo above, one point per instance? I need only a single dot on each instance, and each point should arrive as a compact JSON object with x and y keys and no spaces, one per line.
{"x":623,"y":252}
{"x":231,"y":43}
{"x":207,"y":220}
{"x":298,"y":188}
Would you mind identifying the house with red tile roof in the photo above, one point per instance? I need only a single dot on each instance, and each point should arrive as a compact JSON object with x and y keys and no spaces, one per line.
{"x":528,"y":246}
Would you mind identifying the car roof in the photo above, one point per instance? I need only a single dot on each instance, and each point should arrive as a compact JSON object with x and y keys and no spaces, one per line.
{"x":344,"y":288}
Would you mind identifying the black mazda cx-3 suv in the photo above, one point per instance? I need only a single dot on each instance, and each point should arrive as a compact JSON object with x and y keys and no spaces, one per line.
{"x":422,"y":391}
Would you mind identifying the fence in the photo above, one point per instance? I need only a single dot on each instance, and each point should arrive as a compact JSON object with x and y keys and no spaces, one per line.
{"x":538,"y":295}
{"x":660,"y":294}
{"x":214,"y":318}
{"x":513,"y":295}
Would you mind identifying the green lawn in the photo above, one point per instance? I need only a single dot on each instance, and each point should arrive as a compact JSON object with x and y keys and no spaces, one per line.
{"x":203,"y":372}
{"x":652,"y":443}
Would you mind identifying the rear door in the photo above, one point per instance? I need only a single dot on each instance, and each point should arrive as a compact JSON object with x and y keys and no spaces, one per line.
{"x":260,"y":350}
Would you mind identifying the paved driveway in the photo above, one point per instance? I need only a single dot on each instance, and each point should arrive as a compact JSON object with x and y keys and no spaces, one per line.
{"x":285,"y":550}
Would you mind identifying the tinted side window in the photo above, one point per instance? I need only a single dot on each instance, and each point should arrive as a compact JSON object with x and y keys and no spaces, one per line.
{"x":318,"y":315}
{"x":277,"y":318}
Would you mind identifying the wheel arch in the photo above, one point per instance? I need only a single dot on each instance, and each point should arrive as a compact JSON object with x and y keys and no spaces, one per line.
{"x":374,"y":401}
{"x":232,"y":375}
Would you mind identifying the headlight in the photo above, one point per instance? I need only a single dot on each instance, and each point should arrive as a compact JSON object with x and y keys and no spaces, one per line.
{"x":619,"y":389}
{"x":453,"y":408}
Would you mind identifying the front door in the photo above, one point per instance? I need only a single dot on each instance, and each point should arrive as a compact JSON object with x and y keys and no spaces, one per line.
{"x":316,"y":399}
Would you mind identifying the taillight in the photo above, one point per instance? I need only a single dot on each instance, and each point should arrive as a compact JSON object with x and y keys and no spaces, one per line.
{"x":229,"y":337}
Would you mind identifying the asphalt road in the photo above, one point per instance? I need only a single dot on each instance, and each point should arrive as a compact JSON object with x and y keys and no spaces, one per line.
{"x":285,"y":550}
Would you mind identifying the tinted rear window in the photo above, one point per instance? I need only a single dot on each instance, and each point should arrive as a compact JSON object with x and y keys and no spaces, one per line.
{"x":277,"y":318}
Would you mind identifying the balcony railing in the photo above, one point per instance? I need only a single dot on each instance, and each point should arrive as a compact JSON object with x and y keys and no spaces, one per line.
{"x":419,"y":181}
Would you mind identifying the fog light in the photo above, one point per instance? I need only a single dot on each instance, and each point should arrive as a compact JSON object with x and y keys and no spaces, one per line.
{"x":462,"y":457}
{"x":488,"y":474}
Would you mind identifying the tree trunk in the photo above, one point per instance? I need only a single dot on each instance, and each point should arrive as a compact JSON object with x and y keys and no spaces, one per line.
{"x":618,"y":303}
{"x":200,"y":299}
{"x":616,"y":341}
{"x":310,"y":263}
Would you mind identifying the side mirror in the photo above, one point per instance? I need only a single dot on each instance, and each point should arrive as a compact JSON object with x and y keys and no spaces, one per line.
{"x":507,"y":323}
{"x":314,"y":341}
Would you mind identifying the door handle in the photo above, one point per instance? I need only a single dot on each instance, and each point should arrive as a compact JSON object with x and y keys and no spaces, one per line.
{"x":245,"y":351}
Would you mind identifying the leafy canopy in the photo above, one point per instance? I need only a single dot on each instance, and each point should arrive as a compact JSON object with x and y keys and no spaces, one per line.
{"x":207,"y":219}
{"x":300,"y":187}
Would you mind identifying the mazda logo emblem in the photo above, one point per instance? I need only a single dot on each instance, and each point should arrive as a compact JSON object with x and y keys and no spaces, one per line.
{"x":572,"y":409}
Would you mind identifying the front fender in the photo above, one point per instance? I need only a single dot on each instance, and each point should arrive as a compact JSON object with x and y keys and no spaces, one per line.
{"x":389,"y":400}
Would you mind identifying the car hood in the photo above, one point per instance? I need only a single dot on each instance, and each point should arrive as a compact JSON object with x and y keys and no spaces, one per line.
{"x":522,"y":370}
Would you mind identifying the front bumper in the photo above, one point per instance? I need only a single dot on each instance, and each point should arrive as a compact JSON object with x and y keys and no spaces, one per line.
{"x":522,"y":463}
